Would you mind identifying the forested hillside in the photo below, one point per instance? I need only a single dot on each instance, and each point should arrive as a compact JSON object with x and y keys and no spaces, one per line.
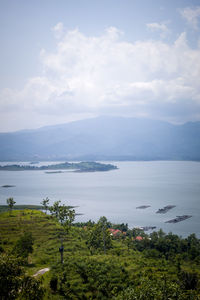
{"x":92,"y":260}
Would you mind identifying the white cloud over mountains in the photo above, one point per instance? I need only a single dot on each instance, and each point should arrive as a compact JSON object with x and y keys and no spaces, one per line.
{"x":93,"y":75}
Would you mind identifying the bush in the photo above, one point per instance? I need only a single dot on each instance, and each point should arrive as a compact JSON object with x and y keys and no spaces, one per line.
{"x":24,"y":245}
{"x":54,"y":283}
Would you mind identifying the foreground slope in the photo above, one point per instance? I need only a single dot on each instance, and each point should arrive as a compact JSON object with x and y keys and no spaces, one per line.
{"x":128,"y":270}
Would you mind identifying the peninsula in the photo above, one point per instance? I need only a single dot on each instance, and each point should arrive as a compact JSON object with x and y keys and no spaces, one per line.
{"x":76,"y":167}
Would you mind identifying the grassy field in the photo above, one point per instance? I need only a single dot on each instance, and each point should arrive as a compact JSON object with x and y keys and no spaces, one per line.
{"x":4,"y":208}
{"x":44,"y":229}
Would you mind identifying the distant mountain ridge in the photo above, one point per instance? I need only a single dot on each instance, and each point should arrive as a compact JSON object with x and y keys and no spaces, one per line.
{"x":104,"y":138}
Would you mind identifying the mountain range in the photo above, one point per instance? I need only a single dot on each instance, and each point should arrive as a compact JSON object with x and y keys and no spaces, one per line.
{"x":104,"y":138}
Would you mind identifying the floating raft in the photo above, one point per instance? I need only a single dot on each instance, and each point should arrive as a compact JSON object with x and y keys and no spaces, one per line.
{"x":179,"y":219}
{"x":143,"y":206}
{"x":165,"y":209}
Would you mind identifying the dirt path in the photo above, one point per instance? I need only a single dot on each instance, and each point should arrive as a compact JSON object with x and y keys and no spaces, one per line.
{"x":41,"y":272}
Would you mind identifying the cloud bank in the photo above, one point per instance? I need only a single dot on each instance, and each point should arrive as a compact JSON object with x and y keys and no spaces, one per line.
{"x":88,"y":76}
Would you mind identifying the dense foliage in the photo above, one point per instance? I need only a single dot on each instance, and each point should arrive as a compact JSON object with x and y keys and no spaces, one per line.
{"x":100,"y":260}
{"x":170,"y":245}
{"x":15,"y":284}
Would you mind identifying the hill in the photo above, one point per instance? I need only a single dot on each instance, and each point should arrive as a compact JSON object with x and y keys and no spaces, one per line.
{"x":104,"y":138}
{"x":159,"y":267}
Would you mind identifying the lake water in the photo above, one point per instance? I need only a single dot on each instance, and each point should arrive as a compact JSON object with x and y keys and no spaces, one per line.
{"x":116,"y":194}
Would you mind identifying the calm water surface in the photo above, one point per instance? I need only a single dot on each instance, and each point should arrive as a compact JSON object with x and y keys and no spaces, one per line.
{"x":116,"y":194}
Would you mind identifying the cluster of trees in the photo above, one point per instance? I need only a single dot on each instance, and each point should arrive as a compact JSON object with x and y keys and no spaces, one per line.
{"x":170,"y":245}
{"x":99,"y":237}
{"x":157,"y":288}
{"x":157,"y":244}
{"x":101,"y":276}
{"x":89,"y":278}
{"x":108,"y":279}
{"x":123,"y":227}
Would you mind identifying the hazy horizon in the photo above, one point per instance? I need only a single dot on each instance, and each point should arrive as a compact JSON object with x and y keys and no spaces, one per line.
{"x":95,"y":117}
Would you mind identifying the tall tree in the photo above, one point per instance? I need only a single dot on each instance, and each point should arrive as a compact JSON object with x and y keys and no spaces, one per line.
{"x":45,"y":204}
{"x":63,"y":213}
{"x":55,"y":209}
{"x":99,"y":237}
{"x":65,"y":216}
{"x":10,"y":201}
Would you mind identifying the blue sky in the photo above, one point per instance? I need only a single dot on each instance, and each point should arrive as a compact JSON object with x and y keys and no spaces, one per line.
{"x":69,"y":60}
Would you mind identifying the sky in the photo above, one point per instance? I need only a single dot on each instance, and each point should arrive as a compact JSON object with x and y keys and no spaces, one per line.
{"x":66,"y":60}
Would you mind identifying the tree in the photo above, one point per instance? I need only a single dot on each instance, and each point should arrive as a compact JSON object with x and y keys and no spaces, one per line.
{"x":63,"y":214}
{"x":10,"y":201}
{"x":188,"y":279}
{"x":14,"y":284}
{"x":45,"y":204}
{"x":99,"y":237}
{"x":24,"y":245}
{"x":54,"y":210}
{"x":31,"y":289}
{"x":10,"y":274}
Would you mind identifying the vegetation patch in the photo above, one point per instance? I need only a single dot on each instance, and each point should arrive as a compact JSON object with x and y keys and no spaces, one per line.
{"x":87,"y":261}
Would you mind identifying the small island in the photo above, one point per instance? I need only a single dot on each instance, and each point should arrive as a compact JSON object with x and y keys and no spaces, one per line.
{"x":165,"y":209}
{"x":7,"y":186}
{"x":54,"y":172}
{"x":75,"y":167}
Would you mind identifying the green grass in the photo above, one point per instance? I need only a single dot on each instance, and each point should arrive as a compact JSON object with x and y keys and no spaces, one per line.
{"x":44,"y":229}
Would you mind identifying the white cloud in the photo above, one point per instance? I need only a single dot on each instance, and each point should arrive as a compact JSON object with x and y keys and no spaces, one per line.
{"x":192,"y":15}
{"x":58,"y":30}
{"x":161,"y":28}
{"x":92,"y":75}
